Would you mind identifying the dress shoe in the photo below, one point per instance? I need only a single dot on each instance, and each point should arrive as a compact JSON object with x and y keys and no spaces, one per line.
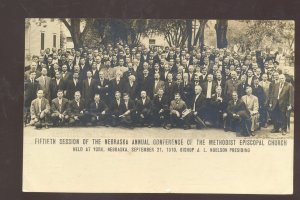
{"x":266,"y":126}
{"x":46,"y":126}
{"x":283,"y":132}
{"x":275,"y":131}
{"x":253,"y":133}
{"x":186,"y":127}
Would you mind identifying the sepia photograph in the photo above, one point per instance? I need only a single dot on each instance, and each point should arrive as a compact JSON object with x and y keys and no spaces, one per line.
{"x":148,"y":94}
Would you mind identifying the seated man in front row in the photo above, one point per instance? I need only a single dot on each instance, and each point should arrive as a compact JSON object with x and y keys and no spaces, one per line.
{"x":77,"y":111}
{"x":237,"y":118}
{"x":59,"y":108}
{"x":128,"y":111}
{"x":98,"y":111}
{"x":179,"y":114}
{"x":144,"y":110}
{"x":39,"y":111}
{"x":161,"y":110}
{"x":251,"y":102}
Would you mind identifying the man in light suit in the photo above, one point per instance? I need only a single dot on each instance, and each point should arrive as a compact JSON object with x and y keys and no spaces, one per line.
{"x":158,"y":84}
{"x":252,"y":104}
{"x":281,"y":104}
{"x":59,"y":108}
{"x":265,"y":84}
{"x":44,"y":83}
{"x":177,"y":117}
{"x":39,"y":110}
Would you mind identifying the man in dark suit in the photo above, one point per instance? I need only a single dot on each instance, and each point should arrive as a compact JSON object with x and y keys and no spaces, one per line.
{"x":31,"y":87}
{"x":116,"y":84}
{"x":281,"y":104}
{"x":72,"y":86}
{"x":230,"y":86}
{"x":218,"y":107}
{"x":237,"y":118}
{"x":103,"y":87}
{"x":146,"y":83}
{"x":40,"y":111}
{"x":98,"y":111}
{"x":241,"y":88}
{"x":65,"y":75}
{"x":169,"y":87}
{"x":77,"y":110}
{"x":95,"y":72}
{"x":160,"y":109}
{"x":128,"y":110}
{"x":199,"y":107}
{"x":116,"y":109}
{"x":131,"y":87}
{"x":89,"y":87}
{"x":59,"y":109}
{"x":144,"y":110}
{"x":56,"y":84}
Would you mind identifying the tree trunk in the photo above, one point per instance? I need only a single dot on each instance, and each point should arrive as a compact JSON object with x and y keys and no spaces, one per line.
{"x":189,"y":29}
{"x":200,"y":33}
{"x":221,"y":31}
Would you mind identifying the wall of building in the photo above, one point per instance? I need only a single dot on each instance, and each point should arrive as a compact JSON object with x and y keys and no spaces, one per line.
{"x":33,"y":32}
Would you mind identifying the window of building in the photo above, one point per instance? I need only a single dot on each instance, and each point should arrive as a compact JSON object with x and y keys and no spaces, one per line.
{"x":42,"y":40}
{"x":54,"y":40}
{"x":151,"y":41}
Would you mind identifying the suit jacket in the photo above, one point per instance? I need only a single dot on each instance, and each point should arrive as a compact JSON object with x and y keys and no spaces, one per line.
{"x":131,"y":90}
{"x":54,"y":87}
{"x":147,"y":106}
{"x":218,"y":104}
{"x":251,"y":102}
{"x":27,"y":74}
{"x":259,"y":93}
{"x":74,"y":109}
{"x":241,"y":89}
{"x":103,"y":88}
{"x":146,"y":83}
{"x":94,"y":110}
{"x":286,"y":96}
{"x":116,"y":109}
{"x":199,"y":103}
{"x":30,"y":90}
{"x":180,"y":106}
{"x":95,"y":75}
{"x":60,"y":109}
{"x":169,"y":90}
{"x":160,"y":85}
{"x":266,"y":87}
{"x":66,"y":76}
{"x":240,"y":107}
{"x":44,"y":84}
{"x":162,"y":104}
{"x":34,"y":108}
{"x":204,"y":88}
{"x":131,"y":107}
{"x":230,"y":86}
{"x":114,"y":86}
{"x":88,"y":91}
{"x":71,"y":88}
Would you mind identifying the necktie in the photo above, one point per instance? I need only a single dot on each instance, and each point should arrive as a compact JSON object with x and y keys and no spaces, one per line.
{"x":97,"y":105}
{"x":59,"y":106}
{"x":40,"y":105}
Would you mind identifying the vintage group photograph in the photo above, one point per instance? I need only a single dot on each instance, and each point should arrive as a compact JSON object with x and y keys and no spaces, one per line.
{"x":227,"y":78}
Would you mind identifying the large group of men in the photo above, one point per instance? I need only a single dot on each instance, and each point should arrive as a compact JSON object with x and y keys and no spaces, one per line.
{"x":159,"y":86}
